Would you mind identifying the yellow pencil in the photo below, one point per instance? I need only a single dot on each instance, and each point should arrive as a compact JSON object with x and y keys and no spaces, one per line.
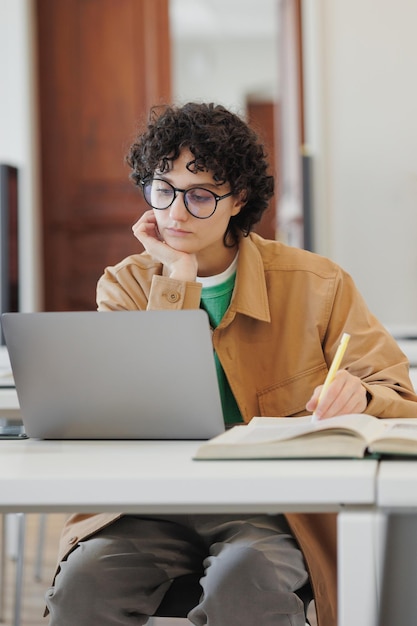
{"x":333,"y":368}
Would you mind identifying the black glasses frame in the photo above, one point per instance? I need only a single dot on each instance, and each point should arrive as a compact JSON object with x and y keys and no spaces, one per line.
{"x":217,"y":198}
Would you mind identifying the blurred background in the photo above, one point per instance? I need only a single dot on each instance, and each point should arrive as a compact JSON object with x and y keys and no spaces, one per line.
{"x":327,"y":83}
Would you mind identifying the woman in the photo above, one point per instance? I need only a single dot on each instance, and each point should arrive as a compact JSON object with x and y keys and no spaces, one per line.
{"x":277,"y":315}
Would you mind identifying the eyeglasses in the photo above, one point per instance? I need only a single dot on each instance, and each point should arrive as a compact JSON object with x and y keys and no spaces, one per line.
{"x":199,"y":202}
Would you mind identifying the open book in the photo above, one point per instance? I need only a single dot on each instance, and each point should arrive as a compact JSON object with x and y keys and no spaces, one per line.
{"x":345,"y":436}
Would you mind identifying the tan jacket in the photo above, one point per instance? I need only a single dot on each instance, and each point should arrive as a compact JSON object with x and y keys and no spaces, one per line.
{"x":275,"y":342}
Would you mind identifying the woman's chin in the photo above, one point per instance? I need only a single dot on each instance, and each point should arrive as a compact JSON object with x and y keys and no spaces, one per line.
{"x":179,"y":245}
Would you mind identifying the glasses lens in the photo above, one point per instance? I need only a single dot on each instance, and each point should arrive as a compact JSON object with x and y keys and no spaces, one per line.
{"x":200,"y":202}
{"x":158,"y":194}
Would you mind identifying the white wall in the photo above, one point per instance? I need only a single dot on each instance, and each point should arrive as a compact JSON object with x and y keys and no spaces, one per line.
{"x":18,"y":141}
{"x":363,"y":131}
{"x":224,"y":51}
{"x":225,"y":72}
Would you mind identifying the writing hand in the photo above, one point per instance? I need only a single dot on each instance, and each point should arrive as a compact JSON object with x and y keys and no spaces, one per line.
{"x":180,"y":265}
{"x":345,"y":395}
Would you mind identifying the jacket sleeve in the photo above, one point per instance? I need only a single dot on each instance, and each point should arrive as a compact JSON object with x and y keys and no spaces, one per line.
{"x":130,"y":287}
{"x":372,"y":354}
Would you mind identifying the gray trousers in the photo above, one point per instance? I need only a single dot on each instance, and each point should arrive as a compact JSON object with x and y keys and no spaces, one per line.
{"x":251,"y":569}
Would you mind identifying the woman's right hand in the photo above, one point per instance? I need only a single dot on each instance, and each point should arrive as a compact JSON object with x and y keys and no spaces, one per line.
{"x":180,"y":265}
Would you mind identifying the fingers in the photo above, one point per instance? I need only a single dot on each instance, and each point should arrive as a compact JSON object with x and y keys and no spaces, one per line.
{"x":146,"y":231}
{"x":345,"y":395}
{"x":146,"y":228}
{"x":313,"y":402}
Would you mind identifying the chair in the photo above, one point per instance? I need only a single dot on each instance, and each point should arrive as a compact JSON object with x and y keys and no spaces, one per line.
{"x":181,"y":597}
{"x":167,"y":621}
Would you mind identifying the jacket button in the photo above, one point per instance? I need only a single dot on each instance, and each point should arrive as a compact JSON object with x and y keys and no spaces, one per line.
{"x":73,"y":540}
{"x":173,"y":296}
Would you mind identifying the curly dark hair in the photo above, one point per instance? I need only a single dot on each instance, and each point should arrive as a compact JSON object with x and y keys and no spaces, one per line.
{"x":221,"y":143}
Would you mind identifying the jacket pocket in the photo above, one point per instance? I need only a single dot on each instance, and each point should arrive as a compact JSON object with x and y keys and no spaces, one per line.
{"x":288,"y":397}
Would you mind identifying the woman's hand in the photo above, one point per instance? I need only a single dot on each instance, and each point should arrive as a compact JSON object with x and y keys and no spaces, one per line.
{"x":180,"y":265}
{"x":345,"y":395}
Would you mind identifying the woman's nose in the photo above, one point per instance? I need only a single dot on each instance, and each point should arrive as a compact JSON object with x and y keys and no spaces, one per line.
{"x":177,"y":210}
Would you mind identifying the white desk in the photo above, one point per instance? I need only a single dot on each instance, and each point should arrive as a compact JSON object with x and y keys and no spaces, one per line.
{"x":9,"y":404}
{"x":397,"y":486}
{"x":8,"y":400}
{"x":148,"y":476}
{"x":6,"y":376}
{"x":161,"y":477}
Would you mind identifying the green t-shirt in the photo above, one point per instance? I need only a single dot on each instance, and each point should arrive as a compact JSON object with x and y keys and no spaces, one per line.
{"x":215,"y":300}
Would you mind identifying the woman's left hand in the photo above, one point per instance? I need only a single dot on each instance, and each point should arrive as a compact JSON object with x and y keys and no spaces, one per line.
{"x":180,"y":265}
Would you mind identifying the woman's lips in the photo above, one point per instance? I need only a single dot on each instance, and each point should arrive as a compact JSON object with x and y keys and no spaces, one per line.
{"x":177,"y":232}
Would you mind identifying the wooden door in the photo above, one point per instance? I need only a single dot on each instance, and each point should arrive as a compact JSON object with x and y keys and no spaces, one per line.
{"x":102,"y":64}
{"x":263,"y":116}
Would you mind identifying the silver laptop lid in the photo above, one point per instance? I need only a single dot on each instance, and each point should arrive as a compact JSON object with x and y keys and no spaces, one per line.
{"x":118,"y":375}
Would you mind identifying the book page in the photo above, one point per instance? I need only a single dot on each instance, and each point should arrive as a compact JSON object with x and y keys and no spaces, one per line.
{"x":345,"y":436}
{"x":401,"y":429}
{"x":280,"y":428}
{"x":399,"y":436}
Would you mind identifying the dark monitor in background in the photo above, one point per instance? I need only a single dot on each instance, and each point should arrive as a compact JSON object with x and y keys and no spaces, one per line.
{"x":9,"y":283}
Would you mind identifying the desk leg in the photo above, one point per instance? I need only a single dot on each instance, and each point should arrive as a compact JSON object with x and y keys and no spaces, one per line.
{"x":399,"y":597}
{"x":360,"y":537}
{"x":2,"y":564}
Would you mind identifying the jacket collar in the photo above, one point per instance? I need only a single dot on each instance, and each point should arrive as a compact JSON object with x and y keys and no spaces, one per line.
{"x":250,"y":296}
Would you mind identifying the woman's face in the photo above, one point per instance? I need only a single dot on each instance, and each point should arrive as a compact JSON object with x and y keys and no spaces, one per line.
{"x":182,"y":231}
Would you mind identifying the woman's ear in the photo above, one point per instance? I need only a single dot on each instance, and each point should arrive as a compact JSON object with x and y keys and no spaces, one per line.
{"x":239,"y":202}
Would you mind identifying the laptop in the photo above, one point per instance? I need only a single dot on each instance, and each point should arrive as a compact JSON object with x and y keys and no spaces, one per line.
{"x":115,"y":375}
